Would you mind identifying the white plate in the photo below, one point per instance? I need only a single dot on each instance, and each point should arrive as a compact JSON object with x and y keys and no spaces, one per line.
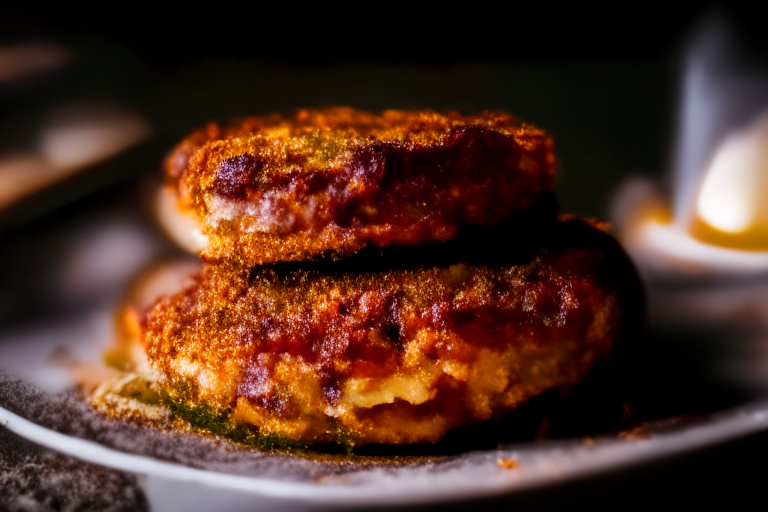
{"x":173,"y":486}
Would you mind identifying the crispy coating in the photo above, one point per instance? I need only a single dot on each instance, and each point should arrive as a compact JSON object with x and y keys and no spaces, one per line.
{"x":380,"y":351}
{"x":328,"y":183}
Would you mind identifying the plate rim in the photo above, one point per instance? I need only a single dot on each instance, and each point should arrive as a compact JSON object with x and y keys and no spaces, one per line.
{"x":590,"y":460}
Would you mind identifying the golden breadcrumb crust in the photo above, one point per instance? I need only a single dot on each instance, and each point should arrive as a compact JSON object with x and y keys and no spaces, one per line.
{"x":330,"y":182}
{"x":392,"y":355}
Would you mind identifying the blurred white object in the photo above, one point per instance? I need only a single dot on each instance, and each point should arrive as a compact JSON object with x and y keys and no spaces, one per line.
{"x":73,"y":137}
{"x":715,"y":224}
{"x":662,"y":249}
{"x":722,"y":92}
{"x":733,"y":193}
{"x":703,"y":250}
{"x":79,"y":135}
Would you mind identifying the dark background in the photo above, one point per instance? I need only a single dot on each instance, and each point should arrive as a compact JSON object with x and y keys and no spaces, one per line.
{"x":604,"y":82}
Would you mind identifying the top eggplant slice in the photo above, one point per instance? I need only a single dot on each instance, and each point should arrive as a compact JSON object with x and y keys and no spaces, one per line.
{"x":325,"y":184}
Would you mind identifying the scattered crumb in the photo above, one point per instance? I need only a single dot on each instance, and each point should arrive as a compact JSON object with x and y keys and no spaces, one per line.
{"x":634,"y":434}
{"x":507,"y":463}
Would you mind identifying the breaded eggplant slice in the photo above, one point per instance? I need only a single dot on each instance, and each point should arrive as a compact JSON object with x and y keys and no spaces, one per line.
{"x":381,"y":351}
{"x":328,"y":183}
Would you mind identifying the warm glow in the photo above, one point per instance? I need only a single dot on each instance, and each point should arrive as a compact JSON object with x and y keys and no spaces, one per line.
{"x":732,"y":206}
{"x":727,"y":200}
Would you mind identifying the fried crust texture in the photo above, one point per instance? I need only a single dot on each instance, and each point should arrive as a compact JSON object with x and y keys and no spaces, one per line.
{"x":327,"y":183}
{"x":388,"y":352}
